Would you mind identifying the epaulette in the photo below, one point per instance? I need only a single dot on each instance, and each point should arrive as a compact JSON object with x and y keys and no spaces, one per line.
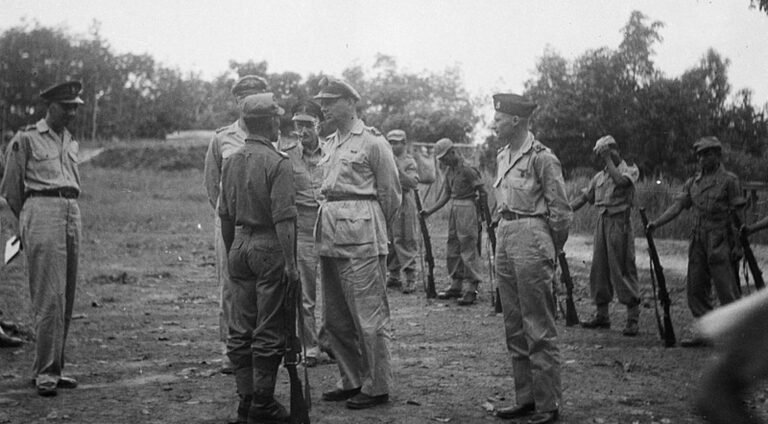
{"x":501,"y":149}
{"x":373,"y":130}
{"x":218,"y":130}
{"x":29,"y":127}
{"x":283,"y":154}
{"x":539,"y":147}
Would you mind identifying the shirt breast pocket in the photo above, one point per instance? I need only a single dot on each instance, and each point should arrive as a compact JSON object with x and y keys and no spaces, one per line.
{"x":73,"y":152}
{"x":45,"y":164}
{"x":521,"y":194}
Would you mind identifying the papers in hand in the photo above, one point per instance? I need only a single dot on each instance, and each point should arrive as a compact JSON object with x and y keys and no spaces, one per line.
{"x":12,"y":248}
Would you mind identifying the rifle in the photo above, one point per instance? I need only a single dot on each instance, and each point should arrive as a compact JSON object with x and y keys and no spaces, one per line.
{"x":495,"y":298}
{"x":666,"y":331}
{"x":299,"y":399}
{"x":430,"y":285}
{"x":571,"y":317}
{"x":749,"y":255}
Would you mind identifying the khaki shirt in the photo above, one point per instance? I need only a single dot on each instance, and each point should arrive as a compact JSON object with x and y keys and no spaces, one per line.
{"x":712,"y":196}
{"x":39,"y":159}
{"x":606,"y":196}
{"x":307,"y":174}
{"x":361,"y":165}
{"x":462,"y":181}
{"x":407,"y":171}
{"x":225,"y":142}
{"x":257,"y":183}
{"x":530,"y":182}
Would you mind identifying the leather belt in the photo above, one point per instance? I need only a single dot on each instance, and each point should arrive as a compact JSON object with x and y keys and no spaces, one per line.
{"x":514,"y":216}
{"x":66,"y":193}
{"x":343,"y":197}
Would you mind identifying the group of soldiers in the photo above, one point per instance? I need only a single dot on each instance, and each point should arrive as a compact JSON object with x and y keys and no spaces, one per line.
{"x":340,"y":213}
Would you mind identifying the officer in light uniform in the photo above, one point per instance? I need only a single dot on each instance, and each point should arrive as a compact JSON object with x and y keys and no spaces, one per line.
{"x":535,"y":215}
{"x":713,"y":193}
{"x":258,"y":221}
{"x":363,"y":193}
{"x":402,"y":256}
{"x":305,"y":154}
{"x":225,"y":142}
{"x":41,"y":185}
{"x":463,"y":188}
{"x":612,"y":191}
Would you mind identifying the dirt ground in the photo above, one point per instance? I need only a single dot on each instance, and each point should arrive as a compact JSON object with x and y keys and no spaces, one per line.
{"x":144,"y":339}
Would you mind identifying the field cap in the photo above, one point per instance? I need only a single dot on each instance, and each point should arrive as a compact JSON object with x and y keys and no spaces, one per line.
{"x":513,"y":104}
{"x":307,"y":111}
{"x":704,"y":143}
{"x":603,"y":143}
{"x":260,"y":105}
{"x":442,"y":147}
{"x":66,"y":92}
{"x":249,"y":84}
{"x":396,"y":135}
{"x":331,"y":88}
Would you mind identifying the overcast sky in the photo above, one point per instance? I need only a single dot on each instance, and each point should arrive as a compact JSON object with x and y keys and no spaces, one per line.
{"x":495,"y":43}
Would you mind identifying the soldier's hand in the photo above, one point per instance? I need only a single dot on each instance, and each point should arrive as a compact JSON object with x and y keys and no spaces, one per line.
{"x":424,"y":214}
{"x":291,"y":272}
{"x":746,"y":230}
{"x":651,"y":226}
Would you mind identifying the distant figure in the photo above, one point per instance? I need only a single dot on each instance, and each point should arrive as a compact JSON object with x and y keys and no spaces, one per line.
{"x":362,"y":195}
{"x":612,"y":191}
{"x":225,"y":142}
{"x":258,"y":224}
{"x":41,"y":185}
{"x":464,"y":189}
{"x":402,"y":256}
{"x":534,"y":219}
{"x":712,"y":193}
{"x":305,"y":155}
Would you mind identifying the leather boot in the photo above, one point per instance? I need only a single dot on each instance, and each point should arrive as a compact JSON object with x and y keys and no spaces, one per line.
{"x":264,"y":409}
{"x":633,"y":317}
{"x":600,"y":320}
{"x":242,"y":409}
{"x":409,"y":287}
{"x":470,"y":294}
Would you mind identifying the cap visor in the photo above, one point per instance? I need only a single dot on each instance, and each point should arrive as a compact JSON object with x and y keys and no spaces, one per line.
{"x":76,"y":100}
{"x":327,"y":96}
{"x":304,"y":117}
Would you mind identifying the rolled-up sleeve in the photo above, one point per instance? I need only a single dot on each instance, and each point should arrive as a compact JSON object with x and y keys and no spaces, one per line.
{"x":212,"y":171}
{"x":12,"y":185}
{"x":283,"y":192}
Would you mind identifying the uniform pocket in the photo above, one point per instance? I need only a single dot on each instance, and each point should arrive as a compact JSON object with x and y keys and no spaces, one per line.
{"x":354,"y":226}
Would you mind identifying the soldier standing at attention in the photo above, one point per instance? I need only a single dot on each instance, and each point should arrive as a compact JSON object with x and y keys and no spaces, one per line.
{"x":612,"y":191}
{"x":258,"y":223}
{"x":404,"y":245}
{"x":535,"y":215}
{"x":362,"y":193}
{"x":463,"y":188}
{"x":713,"y":193}
{"x":305,"y":154}
{"x":225,"y":142}
{"x":41,"y":185}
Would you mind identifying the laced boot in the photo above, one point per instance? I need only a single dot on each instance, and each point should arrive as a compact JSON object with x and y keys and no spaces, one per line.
{"x":264,"y":409}
{"x":454,"y":292}
{"x":600,"y":320}
{"x":470,"y":295}
{"x":632,"y":328}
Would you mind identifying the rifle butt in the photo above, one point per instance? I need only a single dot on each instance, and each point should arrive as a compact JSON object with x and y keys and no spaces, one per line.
{"x":497,"y":302}
{"x":571,"y":316}
{"x":299,"y":408}
{"x":669,"y":332}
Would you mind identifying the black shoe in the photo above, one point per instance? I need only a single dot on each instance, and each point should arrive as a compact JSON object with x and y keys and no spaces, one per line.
{"x":516,"y":411}
{"x":363,"y":401}
{"x":8,"y":341}
{"x":66,"y":383}
{"x":310,"y":362}
{"x":267,"y":411}
{"x":695,"y":342}
{"x":46,"y":389}
{"x":242,"y":410}
{"x":631,"y":330}
{"x":340,"y":394}
{"x":543,"y":417}
{"x":597,"y":322}
{"x":393,"y":283}
{"x":449,"y":294}
{"x":469,"y":298}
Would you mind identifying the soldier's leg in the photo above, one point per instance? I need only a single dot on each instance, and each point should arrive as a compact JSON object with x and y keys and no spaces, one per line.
{"x":407,"y":253}
{"x":339,"y":324}
{"x":466,"y":231}
{"x":453,"y":259}
{"x":225,"y":290}
{"x":698,"y":284}
{"x":623,"y":273}
{"x":721,"y":267}
{"x":73,"y":256}
{"x":600,"y":277}
{"x":307,"y":263}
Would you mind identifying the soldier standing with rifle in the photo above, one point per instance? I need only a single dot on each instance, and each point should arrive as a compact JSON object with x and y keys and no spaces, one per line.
{"x":258,"y":226}
{"x":463,"y":188}
{"x":612,"y":191}
{"x":404,"y":245}
{"x":535,"y":215}
{"x":712,"y":193}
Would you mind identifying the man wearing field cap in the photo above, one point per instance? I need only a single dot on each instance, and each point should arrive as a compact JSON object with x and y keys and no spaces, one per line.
{"x":258,"y":220}
{"x":402,"y":255}
{"x":41,"y":185}
{"x":305,"y":154}
{"x":226,"y":141}
{"x":362,"y":193}
{"x":534,"y":219}
{"x":612,"y":191}
{"x":713,"y":193}
{"x":463,"y":188}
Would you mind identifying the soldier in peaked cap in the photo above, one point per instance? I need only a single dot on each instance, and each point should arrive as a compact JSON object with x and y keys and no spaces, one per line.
{"x":362,"y":193}
{"x":402,"y":257}
{"x":534,"y":218}
{"x":41,"y":184}
{"x":713,"y":193}
{"x":226,"y":141}
{"x":305,"y":154}
{"x":463,"y":188}
{"x":258,"y":220}
{"x":612,"y":191}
